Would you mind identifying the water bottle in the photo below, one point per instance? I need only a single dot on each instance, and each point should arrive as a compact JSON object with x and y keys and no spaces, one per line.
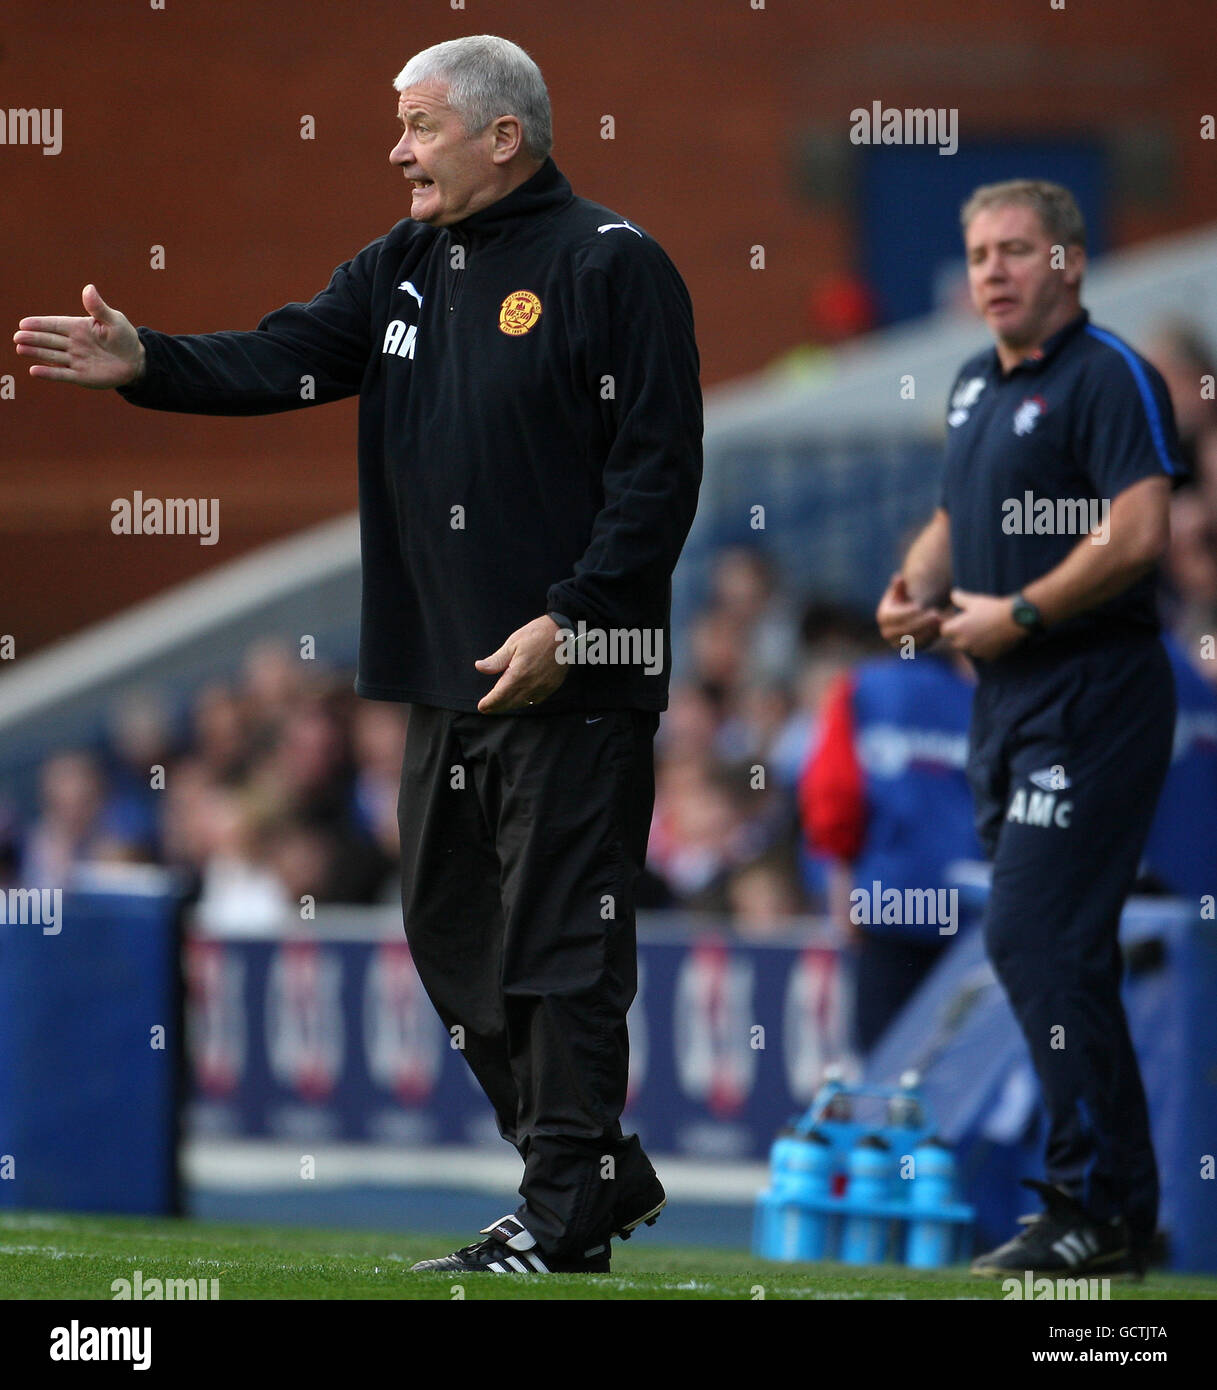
{"x":839,"y":1106}
{"x":766,"y":1230}
{"x":931,"y":1238}
{"x":804,"y":1219}
{"x":904,"y":1109}
{"x":864,"y":1238}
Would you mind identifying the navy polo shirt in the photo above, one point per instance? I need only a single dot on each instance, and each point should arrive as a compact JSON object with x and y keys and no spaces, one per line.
{"x":1035,"y":457}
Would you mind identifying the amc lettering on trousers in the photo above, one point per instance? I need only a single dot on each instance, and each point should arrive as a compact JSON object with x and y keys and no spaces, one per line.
{"x":894,"y":907}
{"x":40,"y":907}
{"x":613,"y":646}
{"x":1057,"y":516}
{"x":167,"y":516}
{"x":34,"y":125}
{"x":1039,"y":808}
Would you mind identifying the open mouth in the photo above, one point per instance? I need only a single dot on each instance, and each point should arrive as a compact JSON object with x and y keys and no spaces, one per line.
{"x":422,"y":183}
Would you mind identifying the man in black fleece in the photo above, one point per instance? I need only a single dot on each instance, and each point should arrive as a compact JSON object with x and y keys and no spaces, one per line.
{"x":529,"y":460}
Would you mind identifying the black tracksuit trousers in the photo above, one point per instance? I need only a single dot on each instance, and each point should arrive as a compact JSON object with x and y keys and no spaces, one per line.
{"x":1067,"y":759}
{"x":521,"y":839}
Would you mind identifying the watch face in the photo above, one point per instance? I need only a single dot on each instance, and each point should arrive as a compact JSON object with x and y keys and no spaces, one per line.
{"x":1026,"y":614}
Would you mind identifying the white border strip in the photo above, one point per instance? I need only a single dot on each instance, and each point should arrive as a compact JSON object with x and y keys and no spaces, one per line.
{"x":259,"y":1165}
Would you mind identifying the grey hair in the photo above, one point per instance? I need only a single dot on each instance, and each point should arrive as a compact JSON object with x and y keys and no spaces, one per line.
{"x":1056,"y":206}
{"x":487,"y":77}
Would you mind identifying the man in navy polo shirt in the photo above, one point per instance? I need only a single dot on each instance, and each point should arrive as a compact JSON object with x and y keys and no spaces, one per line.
{"x":1039,"y":563}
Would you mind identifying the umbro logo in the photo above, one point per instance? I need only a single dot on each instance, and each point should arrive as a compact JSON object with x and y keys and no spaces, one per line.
{"x":965,"y":397}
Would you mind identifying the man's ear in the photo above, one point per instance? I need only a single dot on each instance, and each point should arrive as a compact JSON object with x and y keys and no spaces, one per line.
{"x":508,"y":138}
{"x":1075,"y":265}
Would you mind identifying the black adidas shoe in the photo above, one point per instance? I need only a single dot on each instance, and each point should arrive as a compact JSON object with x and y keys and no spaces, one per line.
{"x":1061,"y":1239}
{"x":639,"y":1205}
{"x":510,"y":1248}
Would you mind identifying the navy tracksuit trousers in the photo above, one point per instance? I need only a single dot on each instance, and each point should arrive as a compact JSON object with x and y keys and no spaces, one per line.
{"x":1067,"y":757}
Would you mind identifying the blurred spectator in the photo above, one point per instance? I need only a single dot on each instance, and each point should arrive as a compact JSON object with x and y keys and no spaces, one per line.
{"x":219,"y":734}
{"x":885,"y":794}
{"x":1188,"y":366}
{"x":763,"y":896}
{"x":379,"y":742}
{"x":141,"y":739}
{"x":239,"y":891}
{"x":306,"y":782}
{"x":719,"y":654}
{"x":748,"y":604}
{"x":696,"y":833}
{"x":184,"y":830}
{"x":1181,"y":851}
{"x":1190,"y":573}
{"x":70,"y":828}
{"x":689,"y":727}
{"x":273,"y":684}
{"x":1206,"y":471}
{"x":1189,"y":576}
{"x":303,"y":859}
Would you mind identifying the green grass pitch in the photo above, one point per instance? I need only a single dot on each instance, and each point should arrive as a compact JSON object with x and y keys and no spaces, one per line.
{"x":49,"y":1256}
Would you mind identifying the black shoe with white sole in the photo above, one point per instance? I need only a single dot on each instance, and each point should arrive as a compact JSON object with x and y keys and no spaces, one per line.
{"x":1061,"y":1239}
{"x":510,"y":1248}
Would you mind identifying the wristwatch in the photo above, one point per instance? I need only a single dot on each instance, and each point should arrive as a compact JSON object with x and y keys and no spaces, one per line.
{"x":1026,"y":614}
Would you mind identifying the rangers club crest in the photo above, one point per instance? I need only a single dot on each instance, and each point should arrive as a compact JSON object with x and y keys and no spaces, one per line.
{"x":1027,"y":416}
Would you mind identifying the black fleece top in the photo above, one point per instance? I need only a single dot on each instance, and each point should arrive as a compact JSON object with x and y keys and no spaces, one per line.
{"x":530,"y":429}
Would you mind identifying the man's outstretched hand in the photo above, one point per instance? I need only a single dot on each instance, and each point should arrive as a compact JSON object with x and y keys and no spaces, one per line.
{"x":100,"y":351}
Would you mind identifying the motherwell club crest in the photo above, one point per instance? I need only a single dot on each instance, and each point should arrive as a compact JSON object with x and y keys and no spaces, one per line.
{"x":519,"y":312}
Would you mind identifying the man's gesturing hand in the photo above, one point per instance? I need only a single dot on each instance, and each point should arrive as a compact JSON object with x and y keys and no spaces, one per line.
{"x":899,"y":616}
{"x":527,"y":666}
{"x":100,"y":351}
